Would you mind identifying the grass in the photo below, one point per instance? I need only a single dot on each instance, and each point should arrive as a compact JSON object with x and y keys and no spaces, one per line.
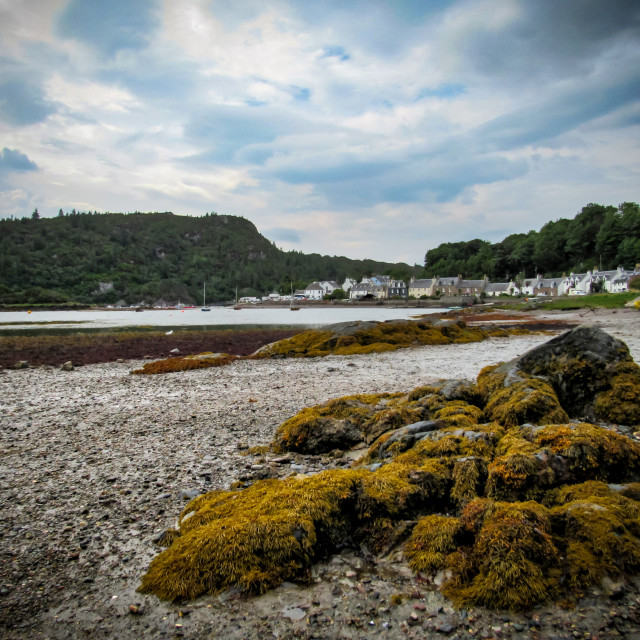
{"x":597,"y":300}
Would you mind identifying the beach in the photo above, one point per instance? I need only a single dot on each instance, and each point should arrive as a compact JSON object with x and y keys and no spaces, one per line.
{"x":97,"y":462}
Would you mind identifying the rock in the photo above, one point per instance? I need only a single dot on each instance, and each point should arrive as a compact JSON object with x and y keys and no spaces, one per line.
{"x":579,"y":364}
{"x":67,"y":366}
{"x":21,"y":364}
{"x":189,"y":494}
{"x":175,"y":351}
{"x":413,"y":619}
{"x":327,"y":434}
{"x":613,"y":588}
{"x":293,"y":613}
{"x":407,"y":436}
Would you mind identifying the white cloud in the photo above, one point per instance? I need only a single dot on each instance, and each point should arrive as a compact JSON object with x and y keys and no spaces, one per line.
{"x":358,"y":128}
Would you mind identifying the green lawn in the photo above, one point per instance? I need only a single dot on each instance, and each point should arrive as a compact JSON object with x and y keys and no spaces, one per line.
{"x":603,"y":300}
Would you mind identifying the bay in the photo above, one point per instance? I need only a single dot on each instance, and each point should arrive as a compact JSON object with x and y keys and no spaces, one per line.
{"x":216,"y":318}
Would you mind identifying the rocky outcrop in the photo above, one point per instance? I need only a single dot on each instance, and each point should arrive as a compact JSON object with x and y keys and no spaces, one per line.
{"x":504,"y":485}
{"x":348,"y":338}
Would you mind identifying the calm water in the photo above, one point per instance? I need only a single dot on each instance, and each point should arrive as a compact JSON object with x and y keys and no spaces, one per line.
{"x":218,"y":317}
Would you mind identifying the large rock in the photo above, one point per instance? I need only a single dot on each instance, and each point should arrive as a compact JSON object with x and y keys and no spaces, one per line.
{"x":580,"y":365}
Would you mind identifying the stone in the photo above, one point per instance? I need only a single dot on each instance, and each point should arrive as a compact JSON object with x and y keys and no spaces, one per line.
{"x":21,"y":364}
{"x":593,"y":350}
{"x":175,"y":351}
{"x":67,"y":366}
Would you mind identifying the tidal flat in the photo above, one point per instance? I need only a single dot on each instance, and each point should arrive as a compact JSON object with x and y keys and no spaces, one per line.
{"x":97,"y":463}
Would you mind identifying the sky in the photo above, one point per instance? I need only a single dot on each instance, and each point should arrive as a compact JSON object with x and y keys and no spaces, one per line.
{"x":371,"y":129}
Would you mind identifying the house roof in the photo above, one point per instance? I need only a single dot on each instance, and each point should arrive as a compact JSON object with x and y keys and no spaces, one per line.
{"x":498,"y":286}
{"x":421,"y":284}
{"x":471,"y":283}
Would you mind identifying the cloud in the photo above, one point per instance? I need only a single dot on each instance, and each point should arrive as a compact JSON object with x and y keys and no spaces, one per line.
{"x":110,"y":26}
{"x":535,"y":40}
{"x":366,"y":128}
{"x":22,"y":101}
{"x":14,"y":160}
{"x":283,"y":234}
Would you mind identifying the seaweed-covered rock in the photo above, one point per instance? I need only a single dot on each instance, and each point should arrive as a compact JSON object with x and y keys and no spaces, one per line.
{"x":515,"y":503}
{"x":580,"y":365}
{"x":348,"y":338}
{"x":341,"y":423}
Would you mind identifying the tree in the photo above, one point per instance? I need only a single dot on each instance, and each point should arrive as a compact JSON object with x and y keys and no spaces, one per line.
{"x":35,"y":215}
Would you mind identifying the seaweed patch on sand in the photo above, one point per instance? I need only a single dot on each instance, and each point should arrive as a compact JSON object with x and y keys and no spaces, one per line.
{"x":352,"y":338}
{"x":510,"y":488}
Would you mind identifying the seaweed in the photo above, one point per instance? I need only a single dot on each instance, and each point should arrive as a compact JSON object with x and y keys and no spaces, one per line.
{"x":529,"y":400}
{"x":508,"y":565}
{"x":185,"y":363}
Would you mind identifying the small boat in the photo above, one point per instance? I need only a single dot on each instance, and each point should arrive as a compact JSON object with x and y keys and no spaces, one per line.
{"x":293,"y":307}
{"x":204,"y":298}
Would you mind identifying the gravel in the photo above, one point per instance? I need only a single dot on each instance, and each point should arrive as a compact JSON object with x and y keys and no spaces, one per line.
{"x":96,"y":463}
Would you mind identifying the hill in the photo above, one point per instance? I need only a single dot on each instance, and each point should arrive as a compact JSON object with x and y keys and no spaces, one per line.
{"x":103,"y":258}
{"x":601,"y":236}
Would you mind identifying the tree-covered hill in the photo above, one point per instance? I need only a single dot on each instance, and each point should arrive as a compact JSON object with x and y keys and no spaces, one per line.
{"x":600,"y":236}
{"x":150,"y":256}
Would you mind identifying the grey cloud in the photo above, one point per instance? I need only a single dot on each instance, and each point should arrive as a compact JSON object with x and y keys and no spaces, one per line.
{"x":551,"y":39}
{"x":284,"y":234}
{"x":14,"y":160}
{"x":235,"y":133}
{"x":112,"y":25}
{"x":22,"y":102}
{"x":556,"y":114}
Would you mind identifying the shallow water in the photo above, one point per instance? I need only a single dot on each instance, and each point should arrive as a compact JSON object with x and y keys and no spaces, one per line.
{"x":217,"y":317}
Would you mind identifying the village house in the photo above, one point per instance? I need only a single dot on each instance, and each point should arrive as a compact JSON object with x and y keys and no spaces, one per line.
{"x":397,"y":289}
{"x":472,"y":287}
{"x":361,"y":290}
{"x":384,"y":287}
{"x":347,"y":284}
{"x":446,"y":286}
{"x":314,"y":291}
{"x":328,"y":286}
{"x":494,"y":289}
{"x":418,"y":288}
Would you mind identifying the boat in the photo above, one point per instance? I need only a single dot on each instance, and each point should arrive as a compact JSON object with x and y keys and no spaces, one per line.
{"x":204,"y":298}
{"x":293,"y":307}
{"x":237,"y":307}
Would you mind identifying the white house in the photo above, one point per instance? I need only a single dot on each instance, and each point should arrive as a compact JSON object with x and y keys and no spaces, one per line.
{"x":314,"y":291}
{"x":494,"y":289}
{"x":328,"y":286}
{"x":347,"y":284}
{"x":361,"y":290}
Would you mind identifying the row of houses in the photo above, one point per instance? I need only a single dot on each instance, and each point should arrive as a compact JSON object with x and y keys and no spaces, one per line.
{"x":382,"y":287}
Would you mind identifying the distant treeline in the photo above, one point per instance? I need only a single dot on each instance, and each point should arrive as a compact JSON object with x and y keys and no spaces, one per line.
{"x":104,"y":258}
{"x":599,"y":236}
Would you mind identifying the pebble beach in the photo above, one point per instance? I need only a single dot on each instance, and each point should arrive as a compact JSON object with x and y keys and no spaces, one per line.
{"x":96,"y":463}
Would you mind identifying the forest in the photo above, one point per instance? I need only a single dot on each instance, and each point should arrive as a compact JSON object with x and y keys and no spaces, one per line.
{"x":598,"y":236}
{"x":105,"y":258}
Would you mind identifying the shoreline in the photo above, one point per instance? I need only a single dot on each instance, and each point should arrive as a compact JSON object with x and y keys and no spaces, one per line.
{"x":96,"y":462}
